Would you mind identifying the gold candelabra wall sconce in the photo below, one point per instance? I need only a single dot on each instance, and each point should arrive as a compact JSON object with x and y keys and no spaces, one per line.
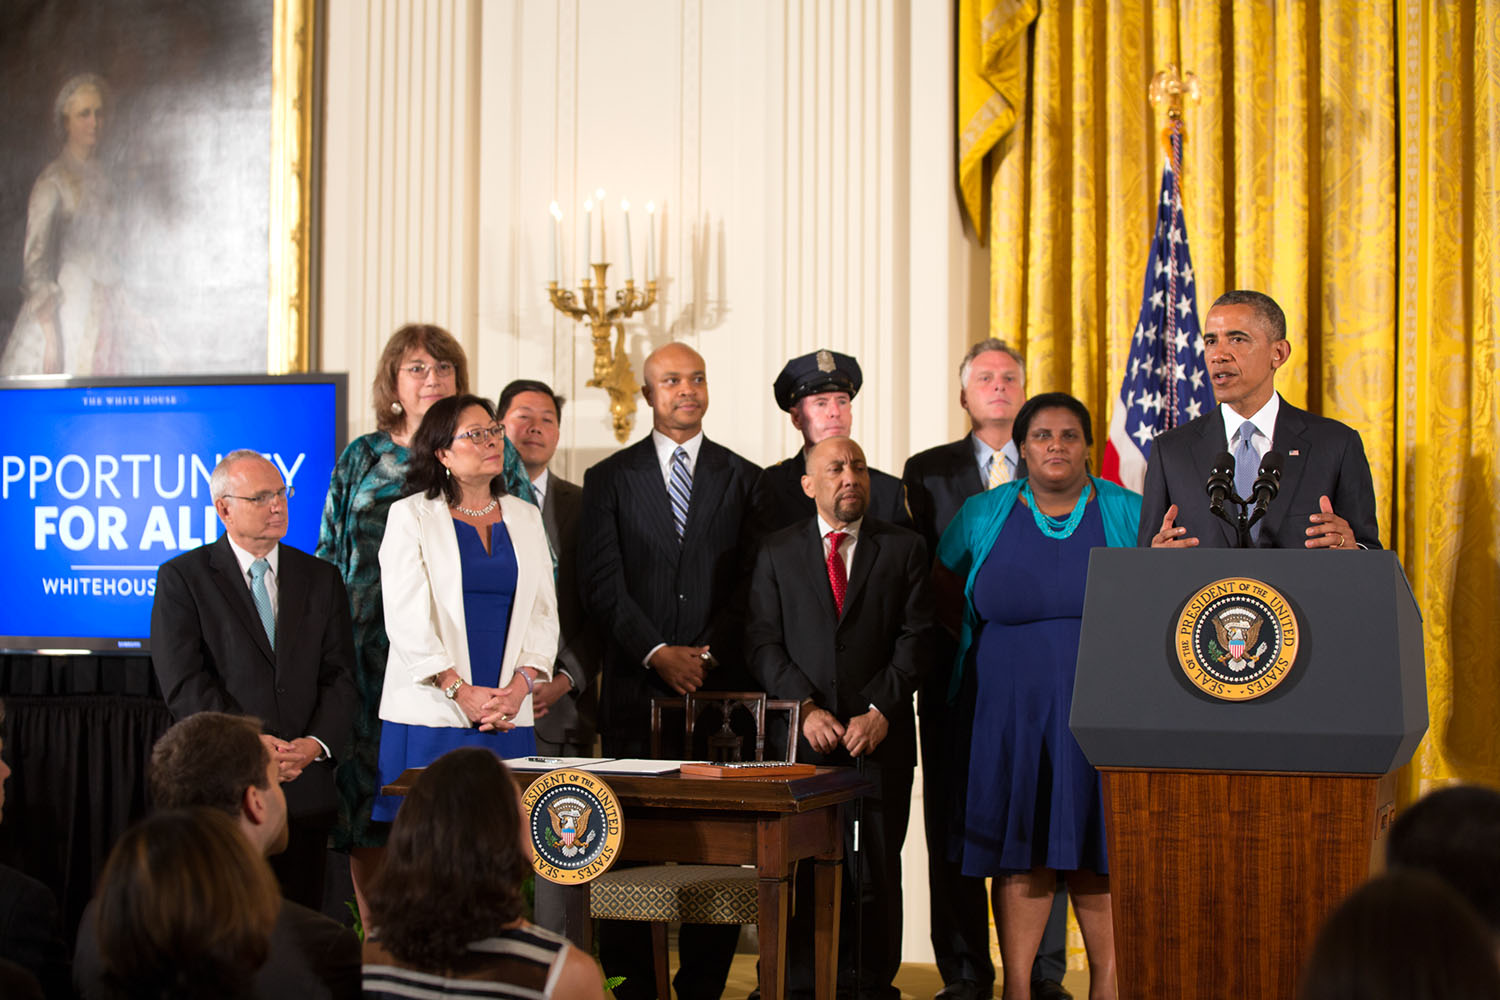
{"x":611,"y":361}
{"x":591,"y":304}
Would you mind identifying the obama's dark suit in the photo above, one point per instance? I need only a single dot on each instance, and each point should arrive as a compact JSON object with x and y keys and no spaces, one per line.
{"x":1321,"y":457}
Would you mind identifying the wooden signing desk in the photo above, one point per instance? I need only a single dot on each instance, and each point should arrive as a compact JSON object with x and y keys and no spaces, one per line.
{"x":768,"y":824}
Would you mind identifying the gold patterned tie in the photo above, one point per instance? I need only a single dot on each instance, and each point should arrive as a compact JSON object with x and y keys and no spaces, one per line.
{"x":998,"y":472}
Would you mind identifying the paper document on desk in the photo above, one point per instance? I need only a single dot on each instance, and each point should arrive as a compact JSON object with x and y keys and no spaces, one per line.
{"x":634,"y":765}
{"x":539,"y":763}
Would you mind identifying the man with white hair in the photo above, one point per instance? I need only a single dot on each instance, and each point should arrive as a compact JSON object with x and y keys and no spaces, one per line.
{"x":250,"y":626}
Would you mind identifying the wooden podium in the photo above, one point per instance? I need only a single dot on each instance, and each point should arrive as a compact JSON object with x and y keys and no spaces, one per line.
{"x":1235,"y":826}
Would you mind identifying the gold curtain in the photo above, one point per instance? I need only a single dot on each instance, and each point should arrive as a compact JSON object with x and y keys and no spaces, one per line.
{"x":1344,"y":159}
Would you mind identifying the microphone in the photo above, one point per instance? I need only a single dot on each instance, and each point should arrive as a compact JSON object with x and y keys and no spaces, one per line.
{"x":1220,"y":483}
{"x":1267,"y":482}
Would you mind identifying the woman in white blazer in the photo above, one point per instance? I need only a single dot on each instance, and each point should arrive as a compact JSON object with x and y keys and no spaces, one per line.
{"x":470,"y":603}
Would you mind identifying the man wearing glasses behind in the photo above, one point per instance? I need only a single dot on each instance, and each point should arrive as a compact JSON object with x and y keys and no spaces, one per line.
{"x":249,"y":626}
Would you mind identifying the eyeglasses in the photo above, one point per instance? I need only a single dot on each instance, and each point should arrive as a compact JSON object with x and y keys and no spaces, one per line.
{"x":264,"y":499}
{"x":419,"y":369}
{"x":482,"y":435}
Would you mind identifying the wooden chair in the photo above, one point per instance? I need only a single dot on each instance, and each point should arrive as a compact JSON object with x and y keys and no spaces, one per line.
{"x":696,"y":894}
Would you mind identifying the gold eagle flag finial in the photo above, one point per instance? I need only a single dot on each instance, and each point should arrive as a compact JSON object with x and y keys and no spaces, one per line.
{"x":1169,"y":88}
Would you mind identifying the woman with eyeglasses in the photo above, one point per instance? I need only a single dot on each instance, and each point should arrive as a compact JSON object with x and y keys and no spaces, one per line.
{"x":470,"y":604}
{"x":420,"y":365}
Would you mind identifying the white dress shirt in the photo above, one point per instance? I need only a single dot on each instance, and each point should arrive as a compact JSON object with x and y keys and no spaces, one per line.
{"x":666,"y":447}
{"x":272,"y":591}
{"x":847,"y":548}
{"x":1264,"y":420}
{"x":245,"y":559}
{"x":539,"y":486}
{"x":982,"y":452}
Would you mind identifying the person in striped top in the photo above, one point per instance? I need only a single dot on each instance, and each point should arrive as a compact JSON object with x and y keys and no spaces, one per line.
{"x":447,"y":907}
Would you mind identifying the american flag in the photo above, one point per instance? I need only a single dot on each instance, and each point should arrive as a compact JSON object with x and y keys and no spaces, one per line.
{"x":1166,"y":382}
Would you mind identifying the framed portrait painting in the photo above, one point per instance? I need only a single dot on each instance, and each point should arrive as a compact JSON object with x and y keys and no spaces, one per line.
{"x":155,"y":170}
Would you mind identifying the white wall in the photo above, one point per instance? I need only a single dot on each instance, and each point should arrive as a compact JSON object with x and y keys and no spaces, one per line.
{"x":800,"y":153}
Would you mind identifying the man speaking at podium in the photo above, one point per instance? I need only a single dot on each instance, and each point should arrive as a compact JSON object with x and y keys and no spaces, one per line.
{"x":1325,"y":499}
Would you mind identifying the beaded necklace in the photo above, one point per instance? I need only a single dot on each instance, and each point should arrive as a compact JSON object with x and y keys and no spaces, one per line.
{"x":1056,"y":527}
{"x":494,"y":502}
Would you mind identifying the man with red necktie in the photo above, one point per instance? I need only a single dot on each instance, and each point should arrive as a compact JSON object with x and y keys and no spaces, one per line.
{"x":840,"y":618}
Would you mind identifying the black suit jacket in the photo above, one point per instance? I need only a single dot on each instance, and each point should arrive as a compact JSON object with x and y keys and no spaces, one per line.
{"x":311,"y":957}
{"x":937,"y":482}
{"x":211,"y":653}
{"x":1322,"y":458}
{"x":645,"y":588}
{"x":571,"y":718}
{"x":778,"y":499}
{"x":875,"y":653}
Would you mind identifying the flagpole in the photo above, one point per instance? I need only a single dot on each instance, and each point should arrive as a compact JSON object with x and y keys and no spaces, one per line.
{"x":1166,"y":380}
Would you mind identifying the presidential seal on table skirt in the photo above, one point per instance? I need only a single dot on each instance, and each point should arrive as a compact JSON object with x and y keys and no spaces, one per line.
{"x":1236,"y":639}
{"x":575,"y":824}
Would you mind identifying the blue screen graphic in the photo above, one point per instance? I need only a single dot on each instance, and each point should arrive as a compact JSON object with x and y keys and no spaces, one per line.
{"x":101,"y":484}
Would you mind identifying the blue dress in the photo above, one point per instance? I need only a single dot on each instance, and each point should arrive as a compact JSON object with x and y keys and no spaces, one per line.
{"x":369,"y":477}
{"x":1034,"y":800}
{"x":489,"y":592}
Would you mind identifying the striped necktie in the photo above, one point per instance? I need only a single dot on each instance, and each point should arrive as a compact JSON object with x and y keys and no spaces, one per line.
{"x":262,"y":597}
{"x":998,"y":472}
{"x":680,"y":490}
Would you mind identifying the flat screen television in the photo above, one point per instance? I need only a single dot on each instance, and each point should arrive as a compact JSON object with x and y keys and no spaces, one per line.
{"x":104,"y":479}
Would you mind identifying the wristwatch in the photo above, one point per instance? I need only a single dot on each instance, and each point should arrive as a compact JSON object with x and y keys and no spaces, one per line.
{"x":451,"y":691}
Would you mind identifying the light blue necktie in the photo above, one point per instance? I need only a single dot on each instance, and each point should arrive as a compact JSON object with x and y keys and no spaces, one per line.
{"x":262,"y":596}
{"x":1246,"y":465}
{"x":680,"y":490}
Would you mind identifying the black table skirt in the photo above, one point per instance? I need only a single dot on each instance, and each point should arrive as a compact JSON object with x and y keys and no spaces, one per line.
{"x":78,"y":735}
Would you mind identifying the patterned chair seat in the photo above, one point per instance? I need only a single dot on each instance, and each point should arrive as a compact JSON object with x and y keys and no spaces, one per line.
{"x":695,"y":894}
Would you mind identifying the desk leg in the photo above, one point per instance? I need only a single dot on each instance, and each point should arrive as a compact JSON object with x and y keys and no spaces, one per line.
{"x":564,"y":909}
{"x":827,"y":879}
{"x":774,"y":894}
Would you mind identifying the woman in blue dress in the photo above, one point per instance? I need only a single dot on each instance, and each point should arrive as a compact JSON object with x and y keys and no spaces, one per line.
{"x":470,"y":605}
{"x":1034,"y":808}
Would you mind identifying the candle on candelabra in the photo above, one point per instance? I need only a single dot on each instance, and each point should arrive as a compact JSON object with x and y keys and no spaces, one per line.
{"x":603,"y":249}
{"x":556,"y":254}
{"x":650,"y":241}
{"x":588,"y":235}
{"x":625,"y":210}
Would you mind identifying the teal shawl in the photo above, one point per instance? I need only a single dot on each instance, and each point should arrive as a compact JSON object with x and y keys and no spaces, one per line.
{"x":972,"y":533}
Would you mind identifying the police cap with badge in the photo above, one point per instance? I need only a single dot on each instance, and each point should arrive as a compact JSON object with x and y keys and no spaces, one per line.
{"x":820,"y":371}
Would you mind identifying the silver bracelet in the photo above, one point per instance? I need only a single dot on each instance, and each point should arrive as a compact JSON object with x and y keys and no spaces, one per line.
{"x":530,"y":684}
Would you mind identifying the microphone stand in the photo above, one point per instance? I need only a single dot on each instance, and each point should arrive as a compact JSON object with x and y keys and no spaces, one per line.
{"x":1240,"y":522}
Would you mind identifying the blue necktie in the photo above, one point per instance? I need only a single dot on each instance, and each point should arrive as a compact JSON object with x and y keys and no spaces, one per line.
{"x":1246,"y":465}
{"x":262,"y":596}
{"x":680,"y":490}
{"x":1246,"y":461}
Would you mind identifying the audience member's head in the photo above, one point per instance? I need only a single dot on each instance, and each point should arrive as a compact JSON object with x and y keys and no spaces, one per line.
{"x":1454,"y":833}
{"x":220,"y":761}
{"x":1402,"y":936}
{"x":454,"y":863}
{"x":185,"y":908}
